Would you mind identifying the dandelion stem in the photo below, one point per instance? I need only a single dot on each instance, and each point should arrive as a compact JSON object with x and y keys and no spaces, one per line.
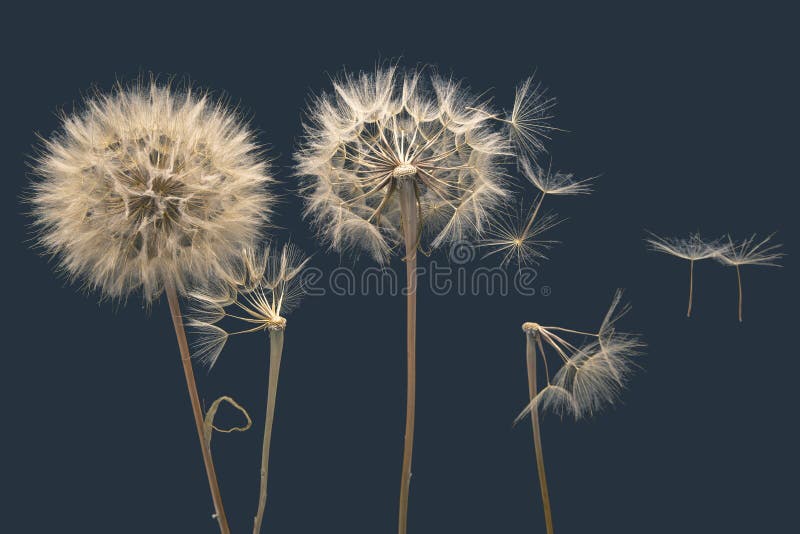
{"x":739,"y":279}
{"x":275,"y":352}
{"x":530,"y":356}
{"x":691,"y":287}
{"x":410,"y":219}
{"x":533,"y":216}
{"x":186,"y":360}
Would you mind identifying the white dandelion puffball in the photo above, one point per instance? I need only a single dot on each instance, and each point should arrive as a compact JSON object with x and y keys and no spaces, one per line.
{"x":378,"y":129}
{"x":148,"y":186}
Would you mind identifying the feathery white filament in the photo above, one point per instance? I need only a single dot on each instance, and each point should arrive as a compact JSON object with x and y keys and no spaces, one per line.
{"x":390,"y":125}
{"x":262,"y":290}
{"x":593,"y":375}
{"x":553,"y":182}
{"x":751,"y":251}
{"x":693,"y":248}
{"x":147,"y":186}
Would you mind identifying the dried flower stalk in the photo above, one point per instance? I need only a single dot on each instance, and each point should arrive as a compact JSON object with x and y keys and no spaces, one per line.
{"x":264,"y":289}
{"x":591,"y":377}
{"x":148,"y":189}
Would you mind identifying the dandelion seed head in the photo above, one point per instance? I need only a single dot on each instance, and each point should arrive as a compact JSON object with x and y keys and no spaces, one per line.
{"x":375,"y":130}
{"x":264,"y":289}
{"x":592,"y":375}
{"x":147,"y":185}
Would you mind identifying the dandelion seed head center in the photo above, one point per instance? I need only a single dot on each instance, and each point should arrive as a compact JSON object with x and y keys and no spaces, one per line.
{"x":278,"y":323}
{"x":393,"y":128}
{"x":530,"y":328}
{"x":146,"y":180}
{"x":404,"y":169}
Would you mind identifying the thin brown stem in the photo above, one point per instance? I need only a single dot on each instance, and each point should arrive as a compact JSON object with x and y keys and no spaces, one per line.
{"x":530,"y":356}
{"x":533,"y":216}
{"x":275,"y":352}
{"x":739,"y":279}
{"x":410,"y":219}
{"x":691,"y":287}
{"x":197,"y":411}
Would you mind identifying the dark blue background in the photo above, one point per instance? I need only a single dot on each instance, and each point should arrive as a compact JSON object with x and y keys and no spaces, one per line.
{"x":691,"y":116}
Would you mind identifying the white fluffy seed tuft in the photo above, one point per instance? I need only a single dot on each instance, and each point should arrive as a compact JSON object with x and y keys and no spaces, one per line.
{"x":264,"y":287}
{"x":146,"y":186}
{"x":592,"y":375}
{"x":376,"y":129}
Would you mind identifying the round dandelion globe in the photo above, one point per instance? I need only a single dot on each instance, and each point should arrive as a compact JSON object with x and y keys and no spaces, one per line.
{"x":149,"y":186}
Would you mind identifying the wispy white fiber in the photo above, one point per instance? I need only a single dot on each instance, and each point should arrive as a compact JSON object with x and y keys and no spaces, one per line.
{"x":264,"y":288}
{"x":377,"y":128}
{"x":149,"y":185}
{"x":592,"y":375}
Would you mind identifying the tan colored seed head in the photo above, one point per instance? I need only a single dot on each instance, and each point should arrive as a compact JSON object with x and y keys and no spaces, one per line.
{"x":147,"y":186}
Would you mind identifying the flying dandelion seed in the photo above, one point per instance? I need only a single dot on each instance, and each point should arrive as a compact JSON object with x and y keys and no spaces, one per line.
{"x":147,"y":189}
{"x":262,"y":291}
{"x":511,"y":237}
{"x":591,"y":377}
{"x":518,"y":238}
{"x":409,"y":158}
{"x":750,"y":251}
{"x":553,"y":182}
{"x":528,"y":124}
{"x":694,"y":248}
